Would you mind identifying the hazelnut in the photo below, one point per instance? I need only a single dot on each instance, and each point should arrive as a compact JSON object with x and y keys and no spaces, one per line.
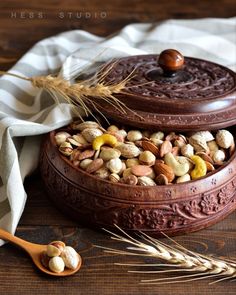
{"x":224,"y":139}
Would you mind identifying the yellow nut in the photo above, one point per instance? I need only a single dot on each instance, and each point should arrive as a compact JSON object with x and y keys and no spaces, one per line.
{"x":200,"y":168}
{"x":107,"y":139}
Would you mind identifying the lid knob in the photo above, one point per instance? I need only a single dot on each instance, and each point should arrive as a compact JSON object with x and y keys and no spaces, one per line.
{"x":170,"y":60}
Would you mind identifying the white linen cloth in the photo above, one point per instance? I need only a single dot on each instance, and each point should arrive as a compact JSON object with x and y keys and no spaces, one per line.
{"x":26,"y":112}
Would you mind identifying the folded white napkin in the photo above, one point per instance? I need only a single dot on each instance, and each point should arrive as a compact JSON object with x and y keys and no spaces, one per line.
{"x":26,"y":112}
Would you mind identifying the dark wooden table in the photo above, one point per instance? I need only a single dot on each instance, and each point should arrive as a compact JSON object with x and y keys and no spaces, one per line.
{"x":22,"y":23}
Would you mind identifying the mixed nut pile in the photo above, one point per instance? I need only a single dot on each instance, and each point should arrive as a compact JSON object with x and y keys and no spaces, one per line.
{"x":58,"y":256}
{"x":143,"y":158}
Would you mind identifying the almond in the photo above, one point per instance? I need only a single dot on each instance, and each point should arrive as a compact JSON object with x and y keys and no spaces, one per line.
{"x":141,"y":170}
{"x":149,"y":146}
{"x":165,"y":148}
{"x":86,"y":154}
{"x":161,"y":168}
{"x":95,"y":165}
{"x":209,"y":166}
{"x":205,"y":157}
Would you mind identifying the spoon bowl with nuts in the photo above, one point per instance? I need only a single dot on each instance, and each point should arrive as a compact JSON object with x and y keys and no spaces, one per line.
{"x":55,"y":259}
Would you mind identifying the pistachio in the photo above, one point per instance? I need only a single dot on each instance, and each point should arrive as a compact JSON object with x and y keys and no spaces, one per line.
{"x":55,"y":248}
{"x":84,"y":163}
{"x":122,"y":133}
{"x":134,"y":135}
{"x":91,"y":133}
{"x":44,"y":258}
{"x":85,"y":125}
{"x":146,"y":181}
{"x":112,"y":128}
{"x":66,"y":148}
{"x":102,"y":173}
{"x":113,"y":177}
{"x":147,"y":158}
{"x":56,"y":264}
{"x":70,"y":257}
{"x":187,"y":150}
{"x":199,"y":143}
{"x":109,"y":153}
{"x":61,"y":137}
{"x":114,"y":165}
{"x":171,"y":136}
{"x":73,"y":142}
{"x":126,"y":173}
{"x":158,"y":135}
{"x":128,"y":150}
{"x":132,"y":162}
{"x":180,"y":141}
{"x":156,"y":141}
{"x":80,"y":139}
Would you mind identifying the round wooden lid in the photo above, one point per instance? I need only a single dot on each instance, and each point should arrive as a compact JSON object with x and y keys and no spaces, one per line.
{"x":172,"y":92}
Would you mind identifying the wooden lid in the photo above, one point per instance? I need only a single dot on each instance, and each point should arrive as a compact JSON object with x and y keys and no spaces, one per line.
{"x":172,"y":92}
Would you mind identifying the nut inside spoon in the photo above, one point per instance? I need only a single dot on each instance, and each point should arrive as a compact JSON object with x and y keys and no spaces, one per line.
{"x":35,"y":251}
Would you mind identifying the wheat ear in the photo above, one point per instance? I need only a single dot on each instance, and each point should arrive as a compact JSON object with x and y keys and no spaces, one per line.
{"x":86,"y":94}
{"x":176,"y":258}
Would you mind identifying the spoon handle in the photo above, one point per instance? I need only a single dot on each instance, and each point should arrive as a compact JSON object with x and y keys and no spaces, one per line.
{"x":15,"y":240}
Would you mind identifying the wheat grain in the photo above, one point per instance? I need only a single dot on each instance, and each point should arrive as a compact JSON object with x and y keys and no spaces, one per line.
{"x":176,"y":258}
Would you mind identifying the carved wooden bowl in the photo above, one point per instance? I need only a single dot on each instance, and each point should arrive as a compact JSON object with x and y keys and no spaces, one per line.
{"x":173,"y":209}
{"x":171,"y":95}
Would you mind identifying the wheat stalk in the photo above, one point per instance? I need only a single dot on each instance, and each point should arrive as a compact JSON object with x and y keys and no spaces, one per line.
{"x":194,"y":266}
{"x":85,"y":94}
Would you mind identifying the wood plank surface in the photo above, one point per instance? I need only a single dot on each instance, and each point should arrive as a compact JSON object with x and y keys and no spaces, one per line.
{"x":20,"y":27}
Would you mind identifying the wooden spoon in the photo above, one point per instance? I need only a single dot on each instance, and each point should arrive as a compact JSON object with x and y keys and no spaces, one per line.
{"x":35,"y":251}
